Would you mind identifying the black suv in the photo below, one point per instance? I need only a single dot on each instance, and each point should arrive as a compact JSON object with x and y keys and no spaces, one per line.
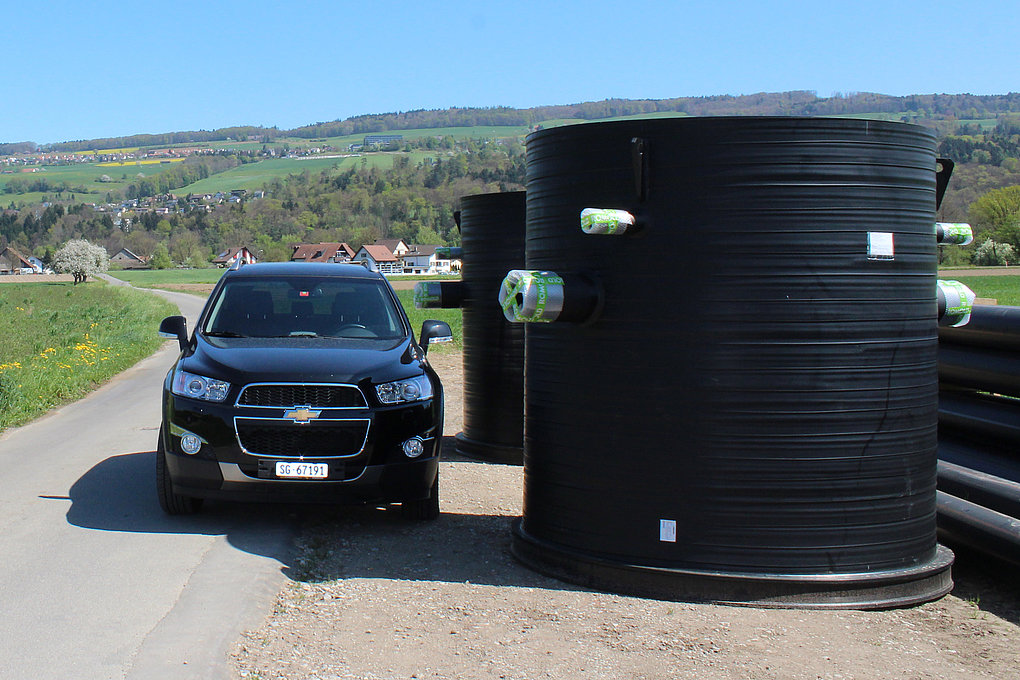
{"x":302,"y":382}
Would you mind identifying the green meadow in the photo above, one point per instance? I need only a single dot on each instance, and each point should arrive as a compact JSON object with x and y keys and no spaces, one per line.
{"x":1003,"y":289}
{"x":256,"y":175}
{"x":61,"y":341}
{"x":78,"y":176}
{"x":154,"y":278}
{"x":454,"y":317}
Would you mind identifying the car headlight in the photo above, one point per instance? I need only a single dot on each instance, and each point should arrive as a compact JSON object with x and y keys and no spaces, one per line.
{"x":403,"y":391}
{"x":199,"y":387}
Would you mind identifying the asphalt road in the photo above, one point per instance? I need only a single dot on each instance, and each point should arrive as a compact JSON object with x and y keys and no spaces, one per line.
{"x":95,"y":581}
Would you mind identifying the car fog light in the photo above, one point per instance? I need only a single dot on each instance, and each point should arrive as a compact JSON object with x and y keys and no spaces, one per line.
{"x":190,"y":443}
{"x":414,"y":447}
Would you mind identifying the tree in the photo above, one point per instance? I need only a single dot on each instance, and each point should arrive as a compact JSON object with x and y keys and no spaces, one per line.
{"x":160,"y":257}
{"x":995,"y":254}
{"x":81,"y":259}
{"x":995,"y":209}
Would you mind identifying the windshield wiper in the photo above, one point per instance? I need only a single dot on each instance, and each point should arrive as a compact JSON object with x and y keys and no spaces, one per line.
{"x":224,"y":334}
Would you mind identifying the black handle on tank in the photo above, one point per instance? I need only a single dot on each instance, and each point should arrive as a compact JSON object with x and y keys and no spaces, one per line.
{"x":943,"y":171}
{"x":639,"y":160}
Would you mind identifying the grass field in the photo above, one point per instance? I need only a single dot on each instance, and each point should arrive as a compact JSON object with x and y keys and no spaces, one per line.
{"x":60,"y":341}
{"x":141,"y":162}
{"x":256,"y":175}
{"x":154,"y":278}
{"x":454,"y":317}
{"x":1004,"y":289}
{"x":84,"y":176}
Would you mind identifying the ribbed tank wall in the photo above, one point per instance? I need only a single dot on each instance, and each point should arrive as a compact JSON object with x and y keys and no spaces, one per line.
{"x":762,"y":374}
{"x":492,"y":238}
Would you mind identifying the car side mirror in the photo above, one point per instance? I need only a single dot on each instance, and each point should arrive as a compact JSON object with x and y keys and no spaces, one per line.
{"x":175,"y":327}
{"x":434,"y":331}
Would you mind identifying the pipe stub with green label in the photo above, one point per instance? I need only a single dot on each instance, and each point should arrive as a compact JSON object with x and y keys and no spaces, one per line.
{"x":607,"y":222}
{"x":528,"y":296}
{"x":438,"y":294}
{"x":953,"y":233}
{"x":955,"y":302}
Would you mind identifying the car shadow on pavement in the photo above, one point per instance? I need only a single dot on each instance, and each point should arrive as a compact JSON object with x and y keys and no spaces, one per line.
{"x":332,"y":542}
{"x":119,"y":494}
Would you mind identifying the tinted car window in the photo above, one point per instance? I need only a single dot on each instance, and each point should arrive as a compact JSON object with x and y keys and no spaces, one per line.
{"x":302,"y":306}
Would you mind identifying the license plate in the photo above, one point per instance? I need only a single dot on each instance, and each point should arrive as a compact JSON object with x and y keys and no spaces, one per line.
{"x":302,"y":470}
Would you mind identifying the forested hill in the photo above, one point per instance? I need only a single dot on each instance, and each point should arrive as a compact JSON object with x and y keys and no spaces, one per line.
{"x":929,"y":109}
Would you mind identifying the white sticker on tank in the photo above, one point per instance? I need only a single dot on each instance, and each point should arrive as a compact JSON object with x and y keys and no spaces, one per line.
{"x":667,"y":530}
{"x":880,"y":245}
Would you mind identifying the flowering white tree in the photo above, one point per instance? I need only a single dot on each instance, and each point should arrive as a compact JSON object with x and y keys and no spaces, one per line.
{"x":992,"y":253}
{"x":81,"y":259}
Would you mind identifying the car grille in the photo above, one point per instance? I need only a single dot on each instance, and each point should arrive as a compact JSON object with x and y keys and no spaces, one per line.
{"x":286,"y":439}
{"x":313,"y":396}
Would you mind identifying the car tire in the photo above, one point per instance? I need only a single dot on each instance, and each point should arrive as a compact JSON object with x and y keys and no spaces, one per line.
{"x":426,"y":509}
{"x":172,"y":503}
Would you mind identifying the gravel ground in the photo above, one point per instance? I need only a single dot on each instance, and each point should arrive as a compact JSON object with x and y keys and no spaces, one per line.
{"x":372,"y":596}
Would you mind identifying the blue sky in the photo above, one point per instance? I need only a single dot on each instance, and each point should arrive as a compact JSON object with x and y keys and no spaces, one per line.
{"x":84,"y":70}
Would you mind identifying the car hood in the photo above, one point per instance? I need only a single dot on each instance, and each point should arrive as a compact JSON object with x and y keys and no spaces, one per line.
{"x":246,"y":360}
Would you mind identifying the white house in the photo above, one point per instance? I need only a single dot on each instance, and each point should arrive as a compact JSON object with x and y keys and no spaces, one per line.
{"x":229,"y":256}
{"x":378,"y":259}
{"x":425,"y":260}
{"x":395,"y":246}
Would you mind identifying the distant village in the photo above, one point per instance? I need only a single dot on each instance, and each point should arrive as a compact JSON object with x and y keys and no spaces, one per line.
{"x":390,"y":257}
{"x":386,"y":256}
{"x":22,"y":162}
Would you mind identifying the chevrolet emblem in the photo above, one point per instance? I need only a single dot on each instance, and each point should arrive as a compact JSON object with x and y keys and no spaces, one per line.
{"x":302,"y":415}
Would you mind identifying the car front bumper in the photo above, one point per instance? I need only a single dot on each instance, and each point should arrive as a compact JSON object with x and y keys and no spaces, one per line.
{"x":372,"y":469}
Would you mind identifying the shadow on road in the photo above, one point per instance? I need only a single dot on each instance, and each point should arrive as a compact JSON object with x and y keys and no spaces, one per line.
{"x":342,"y":542}
{"x":333,"y":542}
{"x":119,"y":494}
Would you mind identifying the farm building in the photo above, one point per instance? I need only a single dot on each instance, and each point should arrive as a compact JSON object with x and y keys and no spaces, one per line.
{"x":13,"y":262}
{"x":125,"y":259}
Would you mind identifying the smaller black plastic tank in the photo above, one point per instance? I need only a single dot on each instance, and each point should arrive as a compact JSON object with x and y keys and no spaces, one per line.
{"x":492,"y":238}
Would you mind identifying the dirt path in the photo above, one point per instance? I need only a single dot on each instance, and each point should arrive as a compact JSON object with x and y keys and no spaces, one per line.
{"x":980,"y":271}
{"x":375,"y":597}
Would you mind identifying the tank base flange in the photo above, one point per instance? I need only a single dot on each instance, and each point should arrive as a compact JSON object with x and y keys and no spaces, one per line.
{"x":878,"y":590}
{"x":490,"y":453}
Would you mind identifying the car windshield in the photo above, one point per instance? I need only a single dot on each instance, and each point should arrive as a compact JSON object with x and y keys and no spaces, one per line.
{"x":304,"y":307}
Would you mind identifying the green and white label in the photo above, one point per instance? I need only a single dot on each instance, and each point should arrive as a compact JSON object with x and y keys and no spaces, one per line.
{"x":606,"y":221}
{"x":954,"y":233}
{"x":427,"y":295}
{"x":959,"y":303}
{"x":531,"y":296}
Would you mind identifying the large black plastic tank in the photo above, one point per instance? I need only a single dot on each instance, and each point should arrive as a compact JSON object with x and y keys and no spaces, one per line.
{"x":750,"y":416}
{"x":492,"y":238}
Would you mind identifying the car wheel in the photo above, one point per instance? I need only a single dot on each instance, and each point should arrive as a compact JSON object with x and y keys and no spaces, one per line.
{"x":172,"y":503}
{"x":424,"y":509}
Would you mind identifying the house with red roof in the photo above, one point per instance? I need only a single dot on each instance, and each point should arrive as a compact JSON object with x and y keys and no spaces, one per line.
{"x":322,"y":252}
{"x":379,"y":259}
{"x":229,"y":256}
{"x":13,"y":262}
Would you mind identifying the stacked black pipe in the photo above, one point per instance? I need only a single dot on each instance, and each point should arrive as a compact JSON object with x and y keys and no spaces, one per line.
{"x":979,"y":433}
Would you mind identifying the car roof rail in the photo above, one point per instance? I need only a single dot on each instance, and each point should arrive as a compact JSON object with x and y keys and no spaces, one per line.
{"x":238,"y":263}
